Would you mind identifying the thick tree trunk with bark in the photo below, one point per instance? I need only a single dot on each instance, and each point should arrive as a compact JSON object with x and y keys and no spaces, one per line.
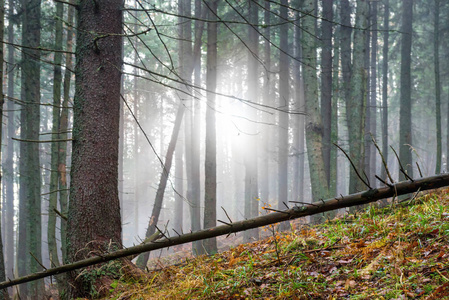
{"x":405,"y":110}
{"x":94,"y":223}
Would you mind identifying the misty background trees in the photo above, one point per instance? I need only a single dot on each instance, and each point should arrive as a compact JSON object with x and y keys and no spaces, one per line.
{"x":226,"y":106}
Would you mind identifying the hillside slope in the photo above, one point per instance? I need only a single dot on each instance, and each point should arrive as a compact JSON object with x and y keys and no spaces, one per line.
{"x":398,"y":252}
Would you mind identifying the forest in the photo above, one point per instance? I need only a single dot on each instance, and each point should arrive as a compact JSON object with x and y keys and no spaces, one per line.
{"x":137,"y":132}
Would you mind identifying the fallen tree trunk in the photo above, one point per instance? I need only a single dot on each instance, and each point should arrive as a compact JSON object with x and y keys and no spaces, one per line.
{"x":321,"y":206}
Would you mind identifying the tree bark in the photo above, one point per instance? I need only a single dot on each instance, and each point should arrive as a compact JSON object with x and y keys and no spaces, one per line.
{"x":94,"y":222}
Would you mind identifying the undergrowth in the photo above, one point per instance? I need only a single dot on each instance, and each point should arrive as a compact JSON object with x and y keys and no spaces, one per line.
{"x":397,"y":252}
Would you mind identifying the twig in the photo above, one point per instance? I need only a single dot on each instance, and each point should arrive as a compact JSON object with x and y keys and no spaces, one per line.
{"x":60,"y":214}
{"x":38,"y":141}
{"x":353,"y":166}
{"x":279,"y":211}
{"x":35,"y":258}
{"x":383,"y":161}
{"x":383,"y":181}
{"x":401,"y":168}
{"x":226,"y":223}
{"x":305,"y":203}
{"x":226,"y":214}
{"x":419,"y":170}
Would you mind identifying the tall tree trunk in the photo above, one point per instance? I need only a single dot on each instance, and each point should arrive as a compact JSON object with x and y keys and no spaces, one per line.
{"x":373,"y":92}
{"x":57,"y":83}
{"x":326,"y":82}
{"x":251,"y":178}
{"x":94,"y":223}
{"x":314,"y":131}
{"x":356,"y":103}
{"x":179,"y":187}
{"x":194,"y":183}
{"x":3,"y":292}
{"x":266,"y":98}
{"x":210,"y":197}
{"x":155,"y":214}
{"x":386,"y":44}
{"x":63,"y":127}
{"x":436,"y":59}
{"x":298,"y":139}
{"x":333,"y":184}
{"x":284,"y":103}
{"x":405,"y":110}
{"x":8,"y":167}
{"x":29,"y":167}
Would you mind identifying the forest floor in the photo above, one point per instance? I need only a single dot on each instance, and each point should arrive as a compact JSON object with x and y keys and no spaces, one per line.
{"x":397,"y":252}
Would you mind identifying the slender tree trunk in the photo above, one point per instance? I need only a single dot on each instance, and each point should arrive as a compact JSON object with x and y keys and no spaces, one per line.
{"x":179,"y":187}
{"x":194,"y":184}
{"x":405,"y":110}
{"x":8,"y":167}
{"x":334,"y":124}
{"x":63,"y":127}
{"x":373,"y":92}
{"x":436,"y":57}
{"x":356,"y":103}
{"x":155,"y":214}
{"x":314,"y":132}
{"x":326,"y":82}
{"x":298,"y":139}
{"x":29,"y":167}
{"x":284,"y":104}
{"x":210,"y":197}
{"x":3,"y":292}
{"x":57,"y":84}
{"x":251,"y":178}
{"x":385,"y":49}
{"x":94,"y":222}
{"x":265,"y":142}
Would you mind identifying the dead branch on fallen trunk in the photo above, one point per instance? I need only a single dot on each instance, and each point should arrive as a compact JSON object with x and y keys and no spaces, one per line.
{"x":321,"y":206}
